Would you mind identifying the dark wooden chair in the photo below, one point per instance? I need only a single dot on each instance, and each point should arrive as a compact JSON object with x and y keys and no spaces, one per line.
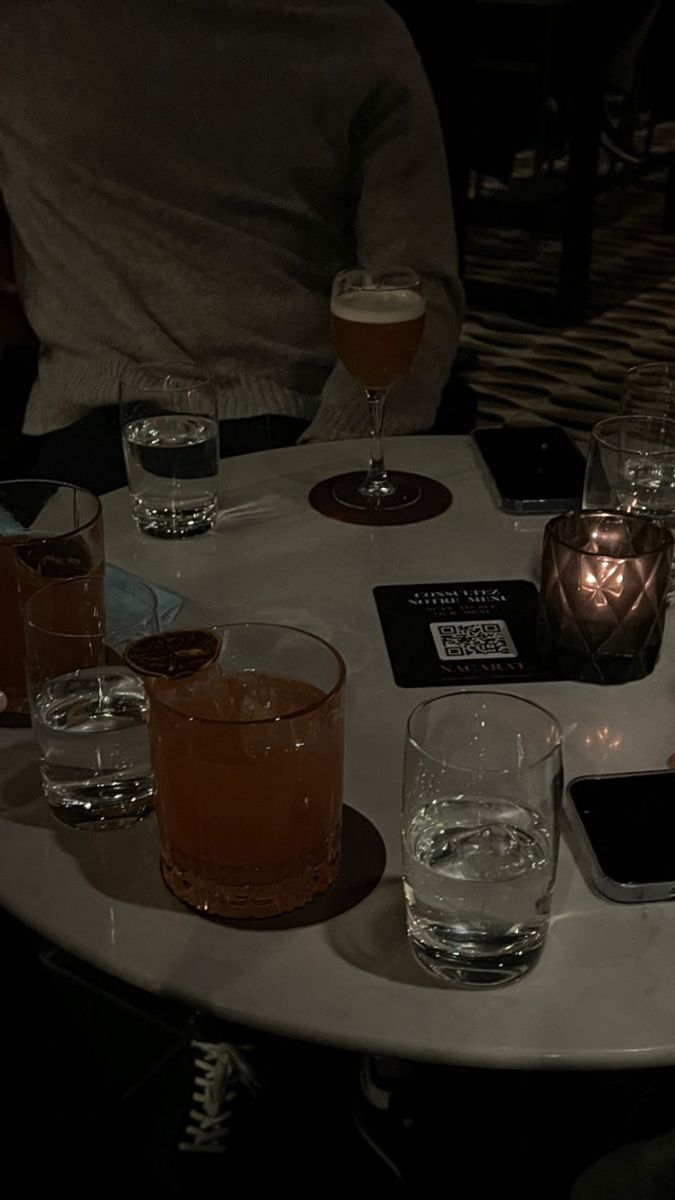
{"x":494,"y":67}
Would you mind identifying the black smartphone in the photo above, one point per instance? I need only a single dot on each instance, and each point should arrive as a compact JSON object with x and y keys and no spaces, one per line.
{"x":624,"y":826}
{"x":534,"y":468}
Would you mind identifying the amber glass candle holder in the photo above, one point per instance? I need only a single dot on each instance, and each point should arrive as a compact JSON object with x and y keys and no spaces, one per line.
{"x":604,"y":582}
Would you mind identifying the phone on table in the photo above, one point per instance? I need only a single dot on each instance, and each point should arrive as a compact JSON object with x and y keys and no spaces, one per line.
{"x":533,"y":468}
{"x":624,"y":826}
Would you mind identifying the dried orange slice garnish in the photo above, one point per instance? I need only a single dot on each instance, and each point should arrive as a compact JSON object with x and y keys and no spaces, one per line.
{"x":175,"y":654}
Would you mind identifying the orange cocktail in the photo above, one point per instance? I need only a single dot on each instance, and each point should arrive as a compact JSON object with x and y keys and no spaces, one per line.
{"x":247,"y":755}
{"x":48,"y":531}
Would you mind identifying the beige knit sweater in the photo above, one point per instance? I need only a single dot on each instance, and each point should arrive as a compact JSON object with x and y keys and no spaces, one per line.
{"x":184,"y":178}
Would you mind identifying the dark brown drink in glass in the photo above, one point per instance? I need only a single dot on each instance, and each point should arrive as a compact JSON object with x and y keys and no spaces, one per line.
{"x":377,"y":334}
{"x":378,"y":323}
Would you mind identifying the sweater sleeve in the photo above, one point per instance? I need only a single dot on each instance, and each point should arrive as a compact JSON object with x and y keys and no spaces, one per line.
{"x":403,"y":217}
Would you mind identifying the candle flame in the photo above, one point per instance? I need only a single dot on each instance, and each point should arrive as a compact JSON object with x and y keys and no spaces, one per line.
{"x":604,"y":580}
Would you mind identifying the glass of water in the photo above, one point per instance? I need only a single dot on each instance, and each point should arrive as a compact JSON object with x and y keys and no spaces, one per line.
{"x":631,"y":469}
{"x":481,"y":808}
{"x":169,"y":419}
{"x":89,"y":711}
{"x":650,"y":389}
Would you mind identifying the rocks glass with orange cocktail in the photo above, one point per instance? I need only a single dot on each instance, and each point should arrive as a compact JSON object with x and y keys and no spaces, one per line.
{"x":246,"y":738}
{"x":48,"y":531}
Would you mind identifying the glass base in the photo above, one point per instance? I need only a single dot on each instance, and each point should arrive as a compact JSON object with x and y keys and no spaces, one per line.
{"x":568,"y":662}
{"x":466,"y":970}
{"x":397,"y":491}
{"x":104,"y":805}
{"x":417,"y":498}
{"x":170,"y":523}
{"x":212,"y":890}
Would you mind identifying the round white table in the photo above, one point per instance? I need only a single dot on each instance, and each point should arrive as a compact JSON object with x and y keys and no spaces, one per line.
{"x":603,"y":993}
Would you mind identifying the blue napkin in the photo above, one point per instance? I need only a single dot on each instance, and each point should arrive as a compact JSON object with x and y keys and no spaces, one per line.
{"x":126,"y":605}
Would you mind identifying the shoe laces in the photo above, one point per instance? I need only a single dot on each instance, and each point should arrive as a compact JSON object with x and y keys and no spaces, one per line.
{"x":220,"y":1069}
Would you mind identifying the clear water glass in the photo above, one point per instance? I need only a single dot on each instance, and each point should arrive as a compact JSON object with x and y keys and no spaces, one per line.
{"x":649,"y":389}
{"x":481,"y":809}
{"x":630,"y":468}
{"x":169,"y":418}
{"x":89,"y":711}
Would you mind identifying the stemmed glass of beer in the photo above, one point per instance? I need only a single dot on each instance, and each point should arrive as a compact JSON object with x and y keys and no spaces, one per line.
{"x":378,"y":322}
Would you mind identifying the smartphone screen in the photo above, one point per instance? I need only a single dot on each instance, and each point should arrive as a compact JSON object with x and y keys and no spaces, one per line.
{"x":537,"y":467}
{"x":630,"y":822}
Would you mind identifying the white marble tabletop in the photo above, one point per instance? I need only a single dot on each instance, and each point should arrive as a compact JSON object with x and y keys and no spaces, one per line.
{"x":603,"y":994}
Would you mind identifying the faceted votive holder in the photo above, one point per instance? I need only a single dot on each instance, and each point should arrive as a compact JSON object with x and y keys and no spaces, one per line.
{"x":604,"y":582}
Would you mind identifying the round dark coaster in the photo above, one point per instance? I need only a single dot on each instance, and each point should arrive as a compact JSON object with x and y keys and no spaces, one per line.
{"x":434,"y":499}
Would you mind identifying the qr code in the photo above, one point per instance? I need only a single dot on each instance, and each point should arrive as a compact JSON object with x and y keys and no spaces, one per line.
{"x":473,"y":639}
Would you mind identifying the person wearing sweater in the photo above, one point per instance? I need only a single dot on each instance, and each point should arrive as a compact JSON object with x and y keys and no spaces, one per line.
{"x":183,"y":180}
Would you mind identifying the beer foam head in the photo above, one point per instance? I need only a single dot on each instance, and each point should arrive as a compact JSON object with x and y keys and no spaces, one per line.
{"x":378,"y":307}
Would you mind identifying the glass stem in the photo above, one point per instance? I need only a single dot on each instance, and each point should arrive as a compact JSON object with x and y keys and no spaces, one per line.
{"x":377,"y":482}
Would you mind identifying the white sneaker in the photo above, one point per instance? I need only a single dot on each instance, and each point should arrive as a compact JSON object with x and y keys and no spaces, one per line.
{"x":223,"y":1076}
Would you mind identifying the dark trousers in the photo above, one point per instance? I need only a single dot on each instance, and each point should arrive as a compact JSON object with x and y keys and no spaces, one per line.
{"x":89,"y":453}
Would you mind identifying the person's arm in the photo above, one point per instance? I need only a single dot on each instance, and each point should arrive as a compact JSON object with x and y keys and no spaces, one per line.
{"x":403,"y":218}
{"x":14,"y":328}
{"x":6,"y":265}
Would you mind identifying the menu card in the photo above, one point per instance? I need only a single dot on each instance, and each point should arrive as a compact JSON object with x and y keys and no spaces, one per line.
{"x":444,"y":634}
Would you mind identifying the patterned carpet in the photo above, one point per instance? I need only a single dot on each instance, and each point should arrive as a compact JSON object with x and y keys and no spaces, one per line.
{"x":526,"y":372}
